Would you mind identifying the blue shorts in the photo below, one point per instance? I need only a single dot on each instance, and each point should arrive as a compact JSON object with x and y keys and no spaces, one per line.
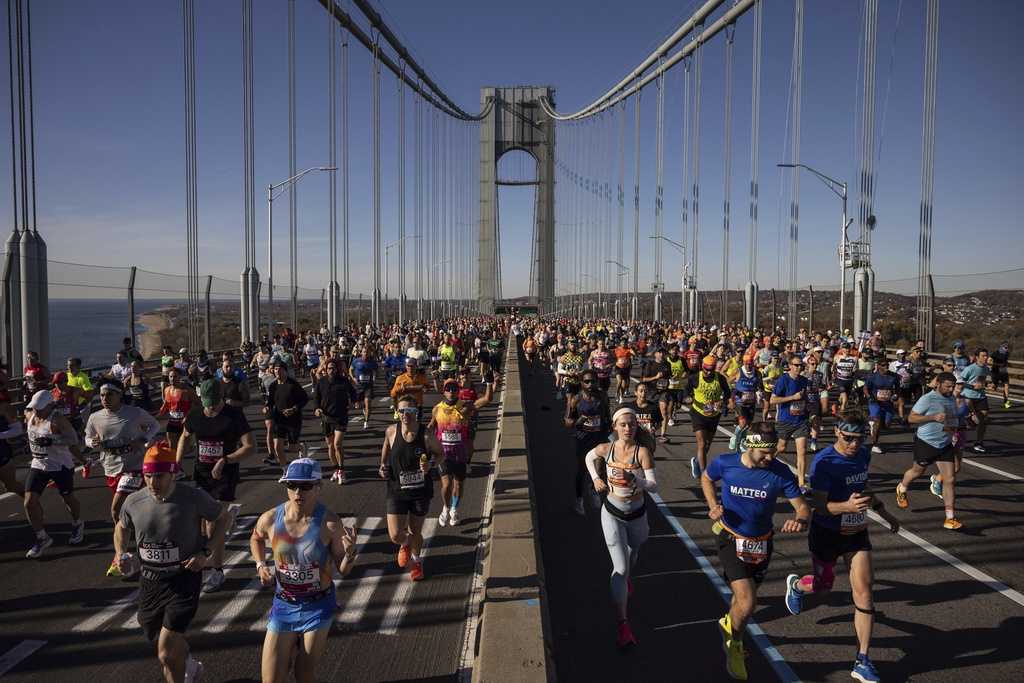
{"x":883,"y":411}
{"x":287,"y":617}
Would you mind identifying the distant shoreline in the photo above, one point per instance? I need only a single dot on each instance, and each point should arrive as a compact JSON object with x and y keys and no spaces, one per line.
{"x":150,"y":340}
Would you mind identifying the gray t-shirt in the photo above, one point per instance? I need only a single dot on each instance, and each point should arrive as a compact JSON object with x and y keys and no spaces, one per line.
{"x":120,"y":437}
{"x":168,"y":532}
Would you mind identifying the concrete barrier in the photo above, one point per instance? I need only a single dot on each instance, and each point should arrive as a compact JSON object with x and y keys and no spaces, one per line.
{"x":514,"y":624}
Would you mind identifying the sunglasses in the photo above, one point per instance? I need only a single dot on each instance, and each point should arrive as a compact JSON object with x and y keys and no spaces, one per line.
{"x":296,"y":486}
{"x":408,"y":411}
{"x":851,"y":437}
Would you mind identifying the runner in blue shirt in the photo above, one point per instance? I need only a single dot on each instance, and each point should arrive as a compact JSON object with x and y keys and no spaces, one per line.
{"x":362,"y":372}
{"x":751,"y":483}
{"x":975,"y":377}
{"x":935,"y":415}
{"x":840,"y":499}
{"x":790,"y":395}
{"x":880,"y":388}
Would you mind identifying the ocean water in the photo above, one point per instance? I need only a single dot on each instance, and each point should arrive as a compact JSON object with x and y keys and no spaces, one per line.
{"x":92,"y":329}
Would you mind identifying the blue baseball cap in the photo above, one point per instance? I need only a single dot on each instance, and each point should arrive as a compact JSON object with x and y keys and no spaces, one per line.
{"x":302,"y":469}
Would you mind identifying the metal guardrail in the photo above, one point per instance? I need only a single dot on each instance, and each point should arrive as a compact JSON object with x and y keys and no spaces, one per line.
{"x":1015,"y":370}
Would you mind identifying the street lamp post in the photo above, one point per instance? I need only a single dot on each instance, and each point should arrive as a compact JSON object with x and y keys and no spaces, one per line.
{"x":387,"y":279}
{"x":682,"y":289}
{"x":270,"y":246}
{"x":839,"y":188}
{"x":623,"y":270}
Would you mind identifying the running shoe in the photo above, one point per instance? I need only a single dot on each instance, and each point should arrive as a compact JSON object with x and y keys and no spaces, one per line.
{"x":935,"y":485}
{"x":877,"y":450}
{"x":416,"y":571}
{"x":901,"y":499}
{"x":453,"y":517}
{"x":270,"y":461}
{"x":662,"y":439}
{"x":735,"y":664}
{"x":864,"y":670}
{"x":620,"y":401}
{"x":334,"y":477}
{"x":694,"y":468}
{"x":214,"y":582}
{"x":77,"y":533}
{"x":193,"y":670}
{"x":342,"y":477}
{"x":624,"y":637}
{"x":979,"y":448}
{"x":114,"y":571}
{"x":403,"y":556}
{"x":794,"y":596}
{"x":813,"y":445}
{"x":86,"y":471}
{"x":41,"y":544}
{"x":671,"y":422}
{"x":953,"y":524}
{"x":366,"y":424}
{"x":442,"y":519}
{"x":232,"y":516}
{"x":734,"y":441}
{"x":1006,"y":404}
{"x":578,"y":508}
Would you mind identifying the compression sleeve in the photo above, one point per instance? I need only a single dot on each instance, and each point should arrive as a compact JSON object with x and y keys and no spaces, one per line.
{"x":592,"y":457}
{"x":647,"y":482}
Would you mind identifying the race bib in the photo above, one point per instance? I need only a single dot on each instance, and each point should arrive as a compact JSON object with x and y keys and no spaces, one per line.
{"x":883,"y":395}
{"x":796,"y":408}
{"x":159,"y":554}
{"x":712,"y":407}
{"x":662,"y":383}
{"x":129,"y":482}
{"x":752,"y":551}
{"x":41,"y":446}
{"x":451,"y":436}
{"x":591,"y":423}
{"x":176,"y":415}
{"x":211,"y":451}
{"x":853,"y":522}
{"x":411,"y":480}
{"x":298,"y":579}
{"x":748,"y":397}
{"x":364,"y":377}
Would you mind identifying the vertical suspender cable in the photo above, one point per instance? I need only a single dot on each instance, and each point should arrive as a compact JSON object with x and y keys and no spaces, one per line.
{"x":730,"y":34}
{"x":293,"y":275}
{"x":659,"y":173}
{"x":191,"y":212}
{"x":401,"y":199}
{"x":14,"y":162}
{"x":755,"y":136}
{"x":925,"y":302}
{"x":867,"y":124}
{"x":344,"y":176}
{"x":332,"y":127}
{"x":375,"y":178}
{"x":622,"y":205}
{"x":794,"y":155}
{"x":635,"y":313}
{"x":685,"y":217}
{"x":22,"y":137}
{"x":698,"y":57}
{"x":417,"y":211}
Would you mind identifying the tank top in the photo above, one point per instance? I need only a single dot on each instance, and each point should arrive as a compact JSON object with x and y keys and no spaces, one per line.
{"x":406,"y":479}
{"x":590,"y":410}
{"x":747,"y":386}
{"x":49,"y":452}
{"x":707,"y":397}
{"x":453,"y":431}
{"x":678,"y":372}
{"x":178,"y":404}
{"x":617,"y":483}
{"x":303,"y":564}
{"x":601,"y":361}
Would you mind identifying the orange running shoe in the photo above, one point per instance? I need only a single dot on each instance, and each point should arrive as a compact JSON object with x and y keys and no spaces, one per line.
{"x":403,"y":556}
{"x":953,"y":524}
{"x":416,"y":573}
{"x":901,"y":499}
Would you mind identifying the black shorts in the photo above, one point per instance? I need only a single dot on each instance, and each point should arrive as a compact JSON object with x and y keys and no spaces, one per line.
{"x":290,"y":430}
{"x":37,"y":480}
{"x":451,"y":468}
{"x":175,"y":427}
{"x":622,"y":373}
{"x":169,"y":603}
{"x":676,"y":396}
{"x":843,"y":386}
{"x":911,"y":392}
{"x":736,"y":569}
{"x":814,"y":407}
{"x":332,"y":425}
{"x":571,"y":388}
{"x":828,"y":544}
{"x":418,"y":507}
{"x":703,"y":423}
{"x":978,"y":404}
{"x":925,"y":454}
{"x":446,"y":374}
{"x":792,"y":430}
{"x":604,"y":382}
{"x":746,"y":411}
{"x":364,"y":391}
{"x":222,"y":489}
{"x":1000,"y":376}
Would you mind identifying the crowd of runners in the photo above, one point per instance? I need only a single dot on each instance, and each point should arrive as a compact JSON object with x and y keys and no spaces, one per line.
{"x":831,"y":399}
{"x":171,"y":442}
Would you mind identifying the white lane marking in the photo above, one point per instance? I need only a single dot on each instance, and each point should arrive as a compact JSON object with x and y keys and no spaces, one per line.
{"x":7,"y":495}
{"x":16,"y":654}
{"x":385,"y":399}
{"x":107,"y":613}
{"x":476,"y":591}
{"x":760,"y":638}
{"x":993,"y":470}
{"x":400,"y":600}
{"x":948,"y":558}
{"x":222,"y":619}
{"x":356,"y":605}
{"x":712,"y":620}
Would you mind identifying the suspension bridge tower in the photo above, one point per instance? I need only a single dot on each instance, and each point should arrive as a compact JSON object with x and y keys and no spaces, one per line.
{"x":516,"y":121}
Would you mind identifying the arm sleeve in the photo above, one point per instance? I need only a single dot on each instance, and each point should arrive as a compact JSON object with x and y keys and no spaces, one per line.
{"x":592,"y":457}
{"x":647,"y":481}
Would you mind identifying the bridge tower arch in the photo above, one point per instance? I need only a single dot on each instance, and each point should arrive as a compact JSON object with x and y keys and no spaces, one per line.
{"x":516,"y":121}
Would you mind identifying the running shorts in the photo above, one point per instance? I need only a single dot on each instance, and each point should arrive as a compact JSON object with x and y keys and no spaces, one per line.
{"x":843,"y":386}
{"x":222,"y":489}
{"x":169,"y":603}
{"x":881,"y":411}
{"x":126,"y":482}
{"x":978,"y":404}
{"x":604,"y":382}
{"x":1000,"y":376}
{"x":676,"y":396}
{"x":622,"y":373}
{"x":302,"y":617}
{"x":925,"y":454}
{"x":288,"y":429}
{"x":418,"y":507}
{"x":828,"y":544}
{"x":793,"y":430}
{"x":365,"y":391}
{"x":64,"y":478}
{"x":703,"y":423}
{"x":454,"y":469}
{"x":332,"y":425}
{"x":736,"y":569}
{"x":746,"y":411}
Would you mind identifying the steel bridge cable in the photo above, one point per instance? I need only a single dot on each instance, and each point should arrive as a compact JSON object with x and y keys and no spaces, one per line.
{"x":926,"y":301}
{"x":375,"y":179}
{"x":698,"y":58}
{"x":622,"y":203}
{"x":755,"y":139}
{"x":344,"y":175}
{"x":14,"y":156}
{"x":31,"y":119}
{"x":22,"y":136}
{"x":888,"y":87}
{"x":730,"y":34}
{"x":636,"y":208}
{"x":293,"y":275}
{"x":401,"y":200}
{"x":659,"y":177}
{"x":794,"y":199}
{"x":332,"y":149}
{"x":867,"y":123}
{"x":685,"y":189}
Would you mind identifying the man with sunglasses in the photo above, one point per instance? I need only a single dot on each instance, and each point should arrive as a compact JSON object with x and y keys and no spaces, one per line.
{"x":223,"y":439}
{"x":166,"y":519}
{"x":751,"y":482}
{"x":880,"y":388}
{"x":406,"y":457}
{"x":308,"y":543}
{"x":588,"y":414}
{"x":711,"y":399}
{"x":285,"y":401}
{"x":333,"y":393}
{"x":790,"y":395}
{"x":451,"y":419}
{"x":935,"y":415}
{"x":840,"y":500}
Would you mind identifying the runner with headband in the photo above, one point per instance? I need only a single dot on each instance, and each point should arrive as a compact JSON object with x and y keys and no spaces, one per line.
{"x":839,"y":528}
{"x":751,"y":483}
{"x":630,"y":473}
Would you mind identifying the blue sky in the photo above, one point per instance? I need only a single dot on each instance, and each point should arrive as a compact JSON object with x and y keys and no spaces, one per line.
{"x":109,"y":130}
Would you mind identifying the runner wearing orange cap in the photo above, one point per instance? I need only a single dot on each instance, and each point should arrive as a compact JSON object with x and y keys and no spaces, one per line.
{"x":710,"y":392}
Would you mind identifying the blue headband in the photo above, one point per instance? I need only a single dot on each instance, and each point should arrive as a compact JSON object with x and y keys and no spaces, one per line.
{"x":850,"y":428}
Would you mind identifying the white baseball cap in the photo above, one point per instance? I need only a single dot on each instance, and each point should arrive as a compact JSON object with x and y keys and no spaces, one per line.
{"x":41,"y":399}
